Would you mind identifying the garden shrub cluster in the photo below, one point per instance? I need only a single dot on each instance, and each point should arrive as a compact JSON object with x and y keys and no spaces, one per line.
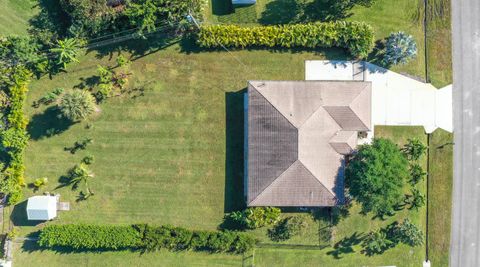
{"x":13,"y":135}
{"x":395,"y":233}
{"x":144,"y":237}
{"x":357,"y":37}
{"x":86,"y":18}
{"x":255,"y":217}
{"x":84,"y":236}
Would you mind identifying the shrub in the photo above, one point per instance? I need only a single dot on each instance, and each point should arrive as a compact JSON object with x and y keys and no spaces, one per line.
{"x":414,"y":149}
{"x":39,"y":182}
{"x":416,"y":199}
{"x":88,"y":159}
{"x":399,"y":49}
{"x":375,"y":176}
{"x":376,"y":243}
{"x":255,"y":217}
{"x":50,"y":97}
{"x":406,"y":233}
{"x":77,"y":105}
{"x":357,"y":37}
{"x":90,"y":237}
{"x":416,"y":173}
{"x":177,"y":238}
{"x":287,"y":228}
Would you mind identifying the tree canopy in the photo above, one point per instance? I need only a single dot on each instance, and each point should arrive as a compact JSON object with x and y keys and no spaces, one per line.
{"x":375,"y":176}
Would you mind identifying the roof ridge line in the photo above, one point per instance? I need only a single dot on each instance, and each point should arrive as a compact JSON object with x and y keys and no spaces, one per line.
{"x":266,"y":187}
{"x":354,"y":99}
{"x":306,"y":168}
{"x":266,"y":99}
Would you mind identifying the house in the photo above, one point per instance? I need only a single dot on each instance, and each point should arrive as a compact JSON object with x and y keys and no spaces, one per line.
{"x":42,"y":208}
{"x":297,"y":135}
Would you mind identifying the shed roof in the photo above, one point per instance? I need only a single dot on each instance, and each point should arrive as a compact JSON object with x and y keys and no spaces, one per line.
{"x":298,"y":132}
{"x":42,"y":208}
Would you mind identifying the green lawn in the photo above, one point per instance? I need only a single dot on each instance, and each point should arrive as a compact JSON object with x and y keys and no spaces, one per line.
{"x":14,"y":16}
{"x":440,"y":196}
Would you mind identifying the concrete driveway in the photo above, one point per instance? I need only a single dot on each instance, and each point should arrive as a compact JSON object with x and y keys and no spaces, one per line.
{"x":396,"y":99}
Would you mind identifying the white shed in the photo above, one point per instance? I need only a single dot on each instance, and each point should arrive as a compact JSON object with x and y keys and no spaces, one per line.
{"x":42,"y":208}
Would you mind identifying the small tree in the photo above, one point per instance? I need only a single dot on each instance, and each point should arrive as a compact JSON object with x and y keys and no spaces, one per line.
{"x":65,"y":51}
{"x":399,"y":49}
{"x":78,"y":175}
{"x":416,"y":199}
{"x":376,"y":175}
{"x":376,"y":243}
{"x":414,"y":149}
{"x":406,"y":233}
{"x":77,"y":105}
{"x":416,"y":173}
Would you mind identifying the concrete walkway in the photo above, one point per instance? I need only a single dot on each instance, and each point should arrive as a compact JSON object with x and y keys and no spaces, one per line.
{"x":396,"y":99}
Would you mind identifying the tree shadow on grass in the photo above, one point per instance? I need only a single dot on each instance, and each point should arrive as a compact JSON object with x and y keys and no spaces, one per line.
{"x":50,"y":22}
{"x":19,"y":215}
{"x":47,"y":124}
{"x":345,"y":246}
{"x":222,"y":7}
{"x":281,"y":12}
{"x":234,"y":165}
{"x":137,"y":47}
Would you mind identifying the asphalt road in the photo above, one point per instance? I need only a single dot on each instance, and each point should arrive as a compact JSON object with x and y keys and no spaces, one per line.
{"x":465,"y":242}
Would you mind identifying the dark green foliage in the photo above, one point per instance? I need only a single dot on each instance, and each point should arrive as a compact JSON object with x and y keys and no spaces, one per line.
{"x":376,"y":175}
{"x":50,"y":97}
{"x":357,"y":37}
{"x":416,"y":199}
{"x":406,"y":233}
{"x":64,"y":52}
{"x":416,"y":173}
{"x":93,"y":18}
{"x":414,"y":149}
{"x":88,"y":160}
{"x":91,"y":237}
{"x":24,"y":50}
{"x":256,"y":217}
{"x":376,"y":243}
{"x":287,"y":228}
{"x":79,"y":145}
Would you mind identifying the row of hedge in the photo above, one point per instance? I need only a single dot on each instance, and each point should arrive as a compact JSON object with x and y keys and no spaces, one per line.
{"x":14,"y":137}
{"x":357,"y":37}
{"x":143,"y":237}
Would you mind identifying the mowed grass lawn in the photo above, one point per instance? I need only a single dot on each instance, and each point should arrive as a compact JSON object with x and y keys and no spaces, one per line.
{"x":385,"y":16}
{"x":14,"y":16}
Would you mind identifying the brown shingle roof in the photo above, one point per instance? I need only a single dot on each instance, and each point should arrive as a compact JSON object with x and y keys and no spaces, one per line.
{"x":297,"y":133}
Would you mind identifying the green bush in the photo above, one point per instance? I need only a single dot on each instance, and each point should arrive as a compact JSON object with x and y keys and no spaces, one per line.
{"x":357,"y":37}
{"x":85,"y":236}
{"x":416,"y":173}
{"x":88,"y":159}
{"x":255,"y":217}
{"x":406,"y":233}
{"x":77,"y":105}
{"x":144,"y":237}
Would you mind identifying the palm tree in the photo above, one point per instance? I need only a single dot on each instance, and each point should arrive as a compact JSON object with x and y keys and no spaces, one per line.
{"x":80,"y":174}
{"x":77,"y":105}
{"x":66,"y":51}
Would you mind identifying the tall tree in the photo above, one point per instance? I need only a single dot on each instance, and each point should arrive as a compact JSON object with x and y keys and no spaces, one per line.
{"x":376,"y":175}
